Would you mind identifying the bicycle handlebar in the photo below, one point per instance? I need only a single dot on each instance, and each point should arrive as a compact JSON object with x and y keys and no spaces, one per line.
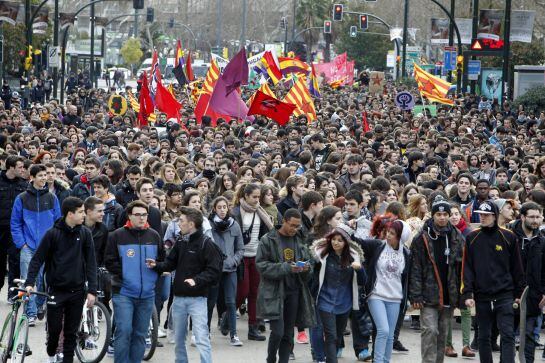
{"x":47,"y":296}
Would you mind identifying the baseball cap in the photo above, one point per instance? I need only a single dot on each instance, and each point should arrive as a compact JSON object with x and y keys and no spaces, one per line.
{"x":487,"y":207}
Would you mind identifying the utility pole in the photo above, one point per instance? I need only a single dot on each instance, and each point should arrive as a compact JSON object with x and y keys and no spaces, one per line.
{"x":293,"y":22}
{"x":219,"y":16}
{"x":135,"y":23}
{"x":92,"y":61}
{"x":405,"y":26}
{"x":451,"y":33}
{"x":475,"y":26}
{"x":506,"y":38}
{"x":28,"y":15}
{"x":56,"y":45}
{"x":243,"y":33}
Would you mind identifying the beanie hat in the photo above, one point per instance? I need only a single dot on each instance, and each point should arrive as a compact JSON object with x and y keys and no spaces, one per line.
{"x":440,"y":204}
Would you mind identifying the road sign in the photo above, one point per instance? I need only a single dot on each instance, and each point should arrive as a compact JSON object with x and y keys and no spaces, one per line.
{"x":404,"y":100}
{"x":447,"y":61}
{"x":53,"y":58}
{"x":473,"y":70}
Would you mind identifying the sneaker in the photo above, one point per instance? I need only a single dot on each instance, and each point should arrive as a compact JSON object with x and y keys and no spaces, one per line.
{"x":161,"y":333}
{"x":398,"y":347}
{"x":235,"y":341}
{"x":90,"y":345}
{"x":302,"y":338}
{"x":193,"y":341}
{"x":59,"y":357}
{"x":339,"y":352}
{"x":31,"y":321}
{"x":148,"y":342}
{"x":364,"y":355}
{"x":41,"y":314}
{"x":171,"y":338}
{"x":110,"y":352}
{"x":292,"y":356}
{"x":52,"y":359}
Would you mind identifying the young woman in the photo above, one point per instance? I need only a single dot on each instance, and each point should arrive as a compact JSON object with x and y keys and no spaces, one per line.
{"x":418,"y":212}
{"x":227,"y":235}
{"x":169,"y":174}
{"x":255,"y":223}
{"x":269,"y":197}
{"x":337,"y":258}
{"x":386,"y":286}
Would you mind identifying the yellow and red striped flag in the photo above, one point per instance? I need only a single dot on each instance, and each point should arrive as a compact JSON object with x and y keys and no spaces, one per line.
{"x":136,"y":107}
{"x":432,"y":87}
{"x":299,"y":95}
{"x":211,"y":77}
{"x":263,"y":88}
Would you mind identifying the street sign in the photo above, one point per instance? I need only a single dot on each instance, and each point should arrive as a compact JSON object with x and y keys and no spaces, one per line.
{"x":404,"y":100}
{"x":448,"y":60}
{"x":53,"y":59}
{"x":473,"y":69}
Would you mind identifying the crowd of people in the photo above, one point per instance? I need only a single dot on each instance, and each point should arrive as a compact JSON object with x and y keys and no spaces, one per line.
{"x":331,"y":227}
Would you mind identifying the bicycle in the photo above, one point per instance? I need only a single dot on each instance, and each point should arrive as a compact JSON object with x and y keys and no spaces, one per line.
{"x":14,"y":336}
{"x":152,"y":336}
{"x":95,"y":330}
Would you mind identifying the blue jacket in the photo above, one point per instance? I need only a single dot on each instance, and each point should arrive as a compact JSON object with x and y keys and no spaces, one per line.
{"x":34,"y":212}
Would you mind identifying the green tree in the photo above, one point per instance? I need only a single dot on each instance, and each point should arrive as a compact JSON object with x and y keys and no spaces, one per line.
{"x":131,"y":52}
{"x":15,"y":46}
{"x":312,"y":13}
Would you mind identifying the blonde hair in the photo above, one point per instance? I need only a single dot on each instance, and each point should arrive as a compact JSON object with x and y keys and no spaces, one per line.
{"x":176,"y":180}
{"x":414,"y":206}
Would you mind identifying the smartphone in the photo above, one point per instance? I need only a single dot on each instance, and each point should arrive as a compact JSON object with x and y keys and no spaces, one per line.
{"x":301,"y":263}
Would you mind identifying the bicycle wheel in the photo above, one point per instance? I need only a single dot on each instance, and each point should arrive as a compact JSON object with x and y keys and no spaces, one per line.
{"x":6,"y":337}
{"x":151,"y":338}
{"x":94,"y":337}
{"x":20,"y":340}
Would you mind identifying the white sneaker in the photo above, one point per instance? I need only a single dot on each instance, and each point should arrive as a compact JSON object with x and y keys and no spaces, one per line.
{"x":161,"y":333}
{"x":193,"y":341}
{"x":52,"y":359}
{"x":171,"y":338}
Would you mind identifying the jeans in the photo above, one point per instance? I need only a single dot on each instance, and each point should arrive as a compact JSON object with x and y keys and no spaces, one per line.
{"x":317,"y":343}
{"x":35,"y":301}
{"x":530,"y":348}
{"x":384,"y":314}
{"x":132,"y":319}
{"x":64,"y":317}
{"x":362,"y":328}
{"x":466,"y":328}
{"x":281,"y":338}
{"x":162,"y":292}
{"x":226,"y":289}
{"x":9,"y":254}
{"x":504,"y":318}
{"x":247,"y":288}
{"x":434,"y":322}
{"x":333,"y":331}
{"x":196,"y":308}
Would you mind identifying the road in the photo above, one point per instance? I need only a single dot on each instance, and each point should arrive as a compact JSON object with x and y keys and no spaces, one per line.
{"x":251,"y":351}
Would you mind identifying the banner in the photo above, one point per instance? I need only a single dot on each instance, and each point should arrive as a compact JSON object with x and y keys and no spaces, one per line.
{"x":439,"y":30}
{"x":465,"y":26}
{"x":490,"y":24}
{"x":522,"y":25}
{"x":376,"y":82}
{"x":40,"y":22}
{"x":9,"y":11}
{"x":396,"y":33}
{"x":350,"y":72}
{"x":337,"y":70}
{"x":432,"y":109}
{"x":491,"y":79}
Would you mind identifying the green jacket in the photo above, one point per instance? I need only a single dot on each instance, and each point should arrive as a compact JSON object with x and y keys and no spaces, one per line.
{"x":272,"y":270}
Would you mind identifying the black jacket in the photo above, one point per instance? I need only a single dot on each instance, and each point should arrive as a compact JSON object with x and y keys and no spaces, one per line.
{"x":125,"y":194}
{"x":532,"y":252}
{"x":284,"y":204}
{"x":61,"y":192}
{"x":100,"y":240}
{"x":491,"y":265}
{"x":197,"y":258}
{"x":9,"y":190}
{"x":69,"y":257}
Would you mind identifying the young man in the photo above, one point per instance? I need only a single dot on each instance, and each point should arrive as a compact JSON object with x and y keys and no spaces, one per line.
{"x":82,"y":187}
{"x":311,"y":204}
{"x":94,"y":214}
{"x":353,"y":204}
{"x":126,"y":191}
{"x":284,"y":295}
{"x":506,"y":211}
{"x":416,"y":166}
{"x":112,"y":209}
{"x":11,"y":185}
{"x":68,"y":255}
{"x":198,"y":265}
{"x":133,"y":292}
{"x":174,"y":199}
{"x":436,"y":254}
{"x":320,"y":151}
{"x":295,"y":185}
{"x":352,"y":175}
{"x":55,"y":186}
{"x":493,"y":279}
{"x":34,"y":212}
{"x":145,"y":193}
{"x":463,"y":196}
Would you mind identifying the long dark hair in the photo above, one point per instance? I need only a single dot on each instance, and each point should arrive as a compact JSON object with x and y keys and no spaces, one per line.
{"x":321,"y":227}
{"x":346,"y":259}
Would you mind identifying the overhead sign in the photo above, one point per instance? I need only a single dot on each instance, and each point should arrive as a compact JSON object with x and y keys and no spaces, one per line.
{"x":53,"y":58}
{"x":404,"y":100}
{"x":117,"y":105}
{"x":473,"y":70}
{"x":487,"y":44}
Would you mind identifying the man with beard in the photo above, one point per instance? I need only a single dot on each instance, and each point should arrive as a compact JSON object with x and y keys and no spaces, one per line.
{"x":434,"y":280}
{"x":532,"y":251}
{"x":353,"y":163}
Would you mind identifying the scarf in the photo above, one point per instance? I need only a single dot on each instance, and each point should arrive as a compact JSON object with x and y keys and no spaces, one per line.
{"x":265,"y":218}
{"x":130,"y":226}
{"x":462,"y":225}
{"x":221,"y":225}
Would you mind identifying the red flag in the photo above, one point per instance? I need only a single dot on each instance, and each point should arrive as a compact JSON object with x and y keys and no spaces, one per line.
{"x":270,"y":107}
{"x":365,"y":122}
{"x":165,"y":102}
{"x":202,"y":109}
{"x":146,"y":103}
{"x":188,"y":69}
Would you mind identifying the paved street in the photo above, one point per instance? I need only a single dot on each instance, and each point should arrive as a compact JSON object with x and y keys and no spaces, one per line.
{"x":251,"y":351}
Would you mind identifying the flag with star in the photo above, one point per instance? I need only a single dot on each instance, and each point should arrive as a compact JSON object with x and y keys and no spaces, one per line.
{"x":432,"y":87}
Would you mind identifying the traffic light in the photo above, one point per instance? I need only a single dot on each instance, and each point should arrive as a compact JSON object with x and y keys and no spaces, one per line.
{"x":327,"y":26}
{"x":460,"y":62}
{"x":338,"y":12}
{"x":353,"y":31}
{"x":138,"y":4}
{"x":150,"y":15}
{"x":28,"y":63}
{"x":171,"y":23}
{"x":283,"y":23}
{"x":363,"y":21}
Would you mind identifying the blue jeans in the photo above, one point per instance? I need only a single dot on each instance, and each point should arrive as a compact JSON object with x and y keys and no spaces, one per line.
{"x":196,"y":308}
{"x":227,"y":291}
{"x":35,"y":301}
{"x":132,"y":319}
{"x":384,"y":316}
{"x":317,"y":343}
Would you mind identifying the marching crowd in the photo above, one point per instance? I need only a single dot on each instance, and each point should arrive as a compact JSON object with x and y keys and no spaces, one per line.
{"x":330,"y":227}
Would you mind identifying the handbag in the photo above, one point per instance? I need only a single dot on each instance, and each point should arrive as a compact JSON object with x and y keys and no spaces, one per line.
{"x":247,"y":234}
